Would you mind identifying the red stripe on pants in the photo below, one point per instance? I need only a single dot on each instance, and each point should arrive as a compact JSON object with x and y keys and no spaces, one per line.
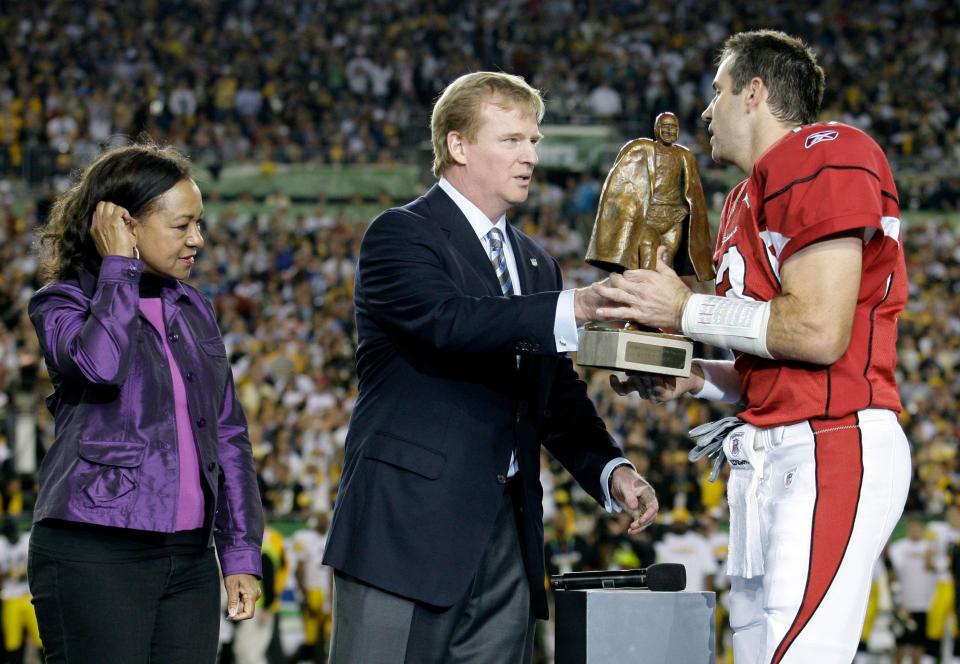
{"x":839,"y":462}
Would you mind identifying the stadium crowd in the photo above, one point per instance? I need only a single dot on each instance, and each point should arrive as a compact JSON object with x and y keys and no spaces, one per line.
{"x":281,"y":283}
{"x":340,"y":82}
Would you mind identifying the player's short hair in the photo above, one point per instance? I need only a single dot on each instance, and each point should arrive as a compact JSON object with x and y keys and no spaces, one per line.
{"x":458,"y":108}
{"x":786,"y":65}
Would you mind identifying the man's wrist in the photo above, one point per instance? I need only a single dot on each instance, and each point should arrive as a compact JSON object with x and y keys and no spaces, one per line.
{"x":613,"y":474}
{"x":606,"y":482}
{"x":697,"y":378}
{"x":720,"y":381}
{"x":579,"y":310}
{"x":736,"y":324}
{"x":678,"y":318}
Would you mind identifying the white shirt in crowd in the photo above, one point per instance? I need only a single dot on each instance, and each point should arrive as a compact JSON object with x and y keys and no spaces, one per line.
{"x":916,"y":582}
{"x":693,"y":551}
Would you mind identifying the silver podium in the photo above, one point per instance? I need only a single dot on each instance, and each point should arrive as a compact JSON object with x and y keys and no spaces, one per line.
{"x":627,"y":626}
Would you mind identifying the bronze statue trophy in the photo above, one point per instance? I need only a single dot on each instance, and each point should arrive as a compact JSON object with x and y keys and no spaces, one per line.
{"x":652,"y":197}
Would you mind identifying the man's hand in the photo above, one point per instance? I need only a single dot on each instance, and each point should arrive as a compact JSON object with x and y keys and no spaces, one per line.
{"x":635,"y":496}
{"x":650,"y":297}
{"x":586,"y":301}
{"x":658,"y":388}
{"x":243,"y":591}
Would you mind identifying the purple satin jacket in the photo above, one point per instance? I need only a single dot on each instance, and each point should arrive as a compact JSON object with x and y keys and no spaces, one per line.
{"x":115,"y":459}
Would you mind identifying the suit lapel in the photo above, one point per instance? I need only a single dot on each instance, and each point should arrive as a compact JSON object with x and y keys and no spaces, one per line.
{"x":462,"y":238}
{"x":527,"y":265}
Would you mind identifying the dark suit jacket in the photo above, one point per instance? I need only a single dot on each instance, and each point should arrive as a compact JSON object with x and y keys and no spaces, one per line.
{"x":443,"y":403}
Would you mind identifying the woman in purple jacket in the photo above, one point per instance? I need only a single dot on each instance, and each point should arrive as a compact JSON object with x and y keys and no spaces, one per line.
{"x":152,"y":462}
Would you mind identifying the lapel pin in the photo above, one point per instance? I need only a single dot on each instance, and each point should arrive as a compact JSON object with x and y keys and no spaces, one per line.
{"x":533,"y":262}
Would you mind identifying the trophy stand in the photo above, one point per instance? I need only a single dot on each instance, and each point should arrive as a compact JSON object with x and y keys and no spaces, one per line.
{"x":622,"y":346}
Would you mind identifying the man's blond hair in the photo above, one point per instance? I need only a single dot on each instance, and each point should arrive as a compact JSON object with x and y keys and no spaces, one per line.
{"x":458,"y":108}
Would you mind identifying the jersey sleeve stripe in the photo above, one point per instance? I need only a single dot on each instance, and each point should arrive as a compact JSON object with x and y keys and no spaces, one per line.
{"x":826,"y":228}
{"x":891,"y":228}
{"x":873,"y":327}
{"x":820,"y":170}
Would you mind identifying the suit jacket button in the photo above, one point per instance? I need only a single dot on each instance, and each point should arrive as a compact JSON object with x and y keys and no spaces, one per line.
{"x":501,"y":479}
{"x":211,"y":466}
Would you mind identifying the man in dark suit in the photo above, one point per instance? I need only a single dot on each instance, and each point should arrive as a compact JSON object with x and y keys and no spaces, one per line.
{"x":437,"y":533}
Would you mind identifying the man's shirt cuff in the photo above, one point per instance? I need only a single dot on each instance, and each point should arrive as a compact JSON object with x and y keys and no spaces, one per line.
{"x":565,"y":323}
{"x":609,"y":503}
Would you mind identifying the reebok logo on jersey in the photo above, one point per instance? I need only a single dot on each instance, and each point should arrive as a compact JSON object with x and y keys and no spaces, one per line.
{"x":820,"y":136}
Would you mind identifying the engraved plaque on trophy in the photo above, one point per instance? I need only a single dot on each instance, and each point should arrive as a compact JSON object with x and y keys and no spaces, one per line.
{"x":652,"y":197}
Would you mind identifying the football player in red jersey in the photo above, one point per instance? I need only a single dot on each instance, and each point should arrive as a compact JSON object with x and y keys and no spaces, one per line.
{"x":810,"y":283}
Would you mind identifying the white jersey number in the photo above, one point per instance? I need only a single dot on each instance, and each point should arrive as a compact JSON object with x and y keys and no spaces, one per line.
{"x":732,"y":274}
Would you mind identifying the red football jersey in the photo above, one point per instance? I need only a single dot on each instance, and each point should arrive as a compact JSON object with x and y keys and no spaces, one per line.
{"x":818,"y":180}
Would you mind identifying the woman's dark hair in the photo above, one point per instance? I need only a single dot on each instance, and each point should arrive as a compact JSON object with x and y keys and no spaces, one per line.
{"x":133,"y":177}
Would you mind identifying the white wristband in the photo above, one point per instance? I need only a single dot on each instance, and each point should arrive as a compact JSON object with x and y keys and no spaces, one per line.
{"x":721,"y":382}
{"x":728,"y":323}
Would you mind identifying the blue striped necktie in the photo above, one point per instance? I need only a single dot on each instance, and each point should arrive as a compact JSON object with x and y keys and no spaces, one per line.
{"x":499,"y":260}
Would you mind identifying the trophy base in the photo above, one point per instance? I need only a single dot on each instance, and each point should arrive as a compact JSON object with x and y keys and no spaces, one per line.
{"x":621,"y":349}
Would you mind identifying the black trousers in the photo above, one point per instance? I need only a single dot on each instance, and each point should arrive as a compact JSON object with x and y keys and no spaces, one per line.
{"x":115,"y":596}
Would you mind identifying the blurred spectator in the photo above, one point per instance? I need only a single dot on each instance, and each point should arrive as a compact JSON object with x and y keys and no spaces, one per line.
{"x":914,"y":581}
{"x":314,"y":583}
{"x":565,"y":550}
{"x":683,"y":545}
{"x":941,"y":616}
{"x":19,"y":617}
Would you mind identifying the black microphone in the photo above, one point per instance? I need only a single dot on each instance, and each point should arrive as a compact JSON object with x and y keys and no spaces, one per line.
{"x":668,"y":577}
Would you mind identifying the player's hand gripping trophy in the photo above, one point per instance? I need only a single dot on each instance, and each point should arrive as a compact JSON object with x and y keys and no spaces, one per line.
{"x":652,"y":198}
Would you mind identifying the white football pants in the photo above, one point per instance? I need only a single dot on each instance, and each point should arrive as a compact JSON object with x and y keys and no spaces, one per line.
{"x":830,"y":494}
